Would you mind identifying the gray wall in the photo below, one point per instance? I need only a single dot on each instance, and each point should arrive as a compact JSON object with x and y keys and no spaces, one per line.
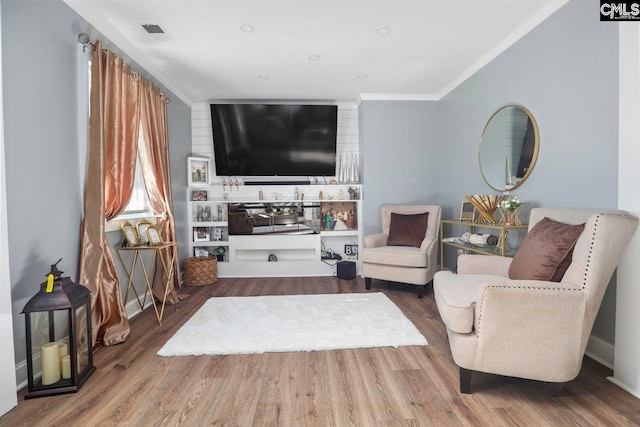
{"x":399,"y":146}
{"x":43,"y":178}
{"x":566,"y":72}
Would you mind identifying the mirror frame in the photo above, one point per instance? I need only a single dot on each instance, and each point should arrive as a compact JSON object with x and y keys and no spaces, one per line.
{"x":534,"y":157}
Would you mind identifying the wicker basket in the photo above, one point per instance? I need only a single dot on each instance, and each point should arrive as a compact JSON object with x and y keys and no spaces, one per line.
{"x":200,"y":271}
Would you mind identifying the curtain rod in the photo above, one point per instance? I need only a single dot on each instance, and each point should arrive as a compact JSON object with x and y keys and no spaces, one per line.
{"x":84,"y":40}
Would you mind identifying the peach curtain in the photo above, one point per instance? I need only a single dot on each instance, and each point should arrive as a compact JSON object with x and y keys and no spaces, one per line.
{"x":154,"y":160}
{"x":111,"y":157}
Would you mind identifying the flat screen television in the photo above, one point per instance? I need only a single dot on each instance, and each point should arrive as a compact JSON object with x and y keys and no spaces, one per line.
{"x":274,"y":139}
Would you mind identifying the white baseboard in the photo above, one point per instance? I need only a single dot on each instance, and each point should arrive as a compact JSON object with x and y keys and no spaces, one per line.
{"x":625,"y":387}
{"x":600,"y":351}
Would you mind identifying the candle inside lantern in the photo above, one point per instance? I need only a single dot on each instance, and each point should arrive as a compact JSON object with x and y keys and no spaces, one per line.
{"x":62,"y":350}
{"x":66,"y":366}
{"x":50,"y":357}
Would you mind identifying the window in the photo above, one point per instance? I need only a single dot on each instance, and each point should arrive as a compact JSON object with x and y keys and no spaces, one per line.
{"x":139,"y":203}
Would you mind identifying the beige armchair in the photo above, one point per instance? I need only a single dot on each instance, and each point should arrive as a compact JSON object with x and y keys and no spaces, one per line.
{"x":532,"y":328}
{"x":405,"y":251}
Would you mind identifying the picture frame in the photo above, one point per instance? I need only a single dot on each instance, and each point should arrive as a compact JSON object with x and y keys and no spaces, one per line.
{"x":197,"y":171}
{"x":200,"y":252}
{"x":130,"y":234}
{"x":141,"y":227}
{"x":153,"y":236}
{"x":467,"y":211}
{"x":199,"y":195}
{"x":217,"y":234}
{"x":339,"y":216}
{"x":200,"y":234}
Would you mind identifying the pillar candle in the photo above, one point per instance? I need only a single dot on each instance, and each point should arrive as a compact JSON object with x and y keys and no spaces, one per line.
{"x":66,"y":366}
{"x":62,"y":350}
{"x":50,"y":363}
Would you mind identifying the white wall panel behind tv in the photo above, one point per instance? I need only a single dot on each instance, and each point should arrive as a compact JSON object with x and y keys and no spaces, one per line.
{"x":347,"y":138}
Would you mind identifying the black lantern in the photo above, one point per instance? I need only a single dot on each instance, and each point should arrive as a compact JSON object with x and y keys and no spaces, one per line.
{"x":58,"y":322}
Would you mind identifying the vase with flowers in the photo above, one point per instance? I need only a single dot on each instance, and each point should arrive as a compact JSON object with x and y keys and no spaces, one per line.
{"x":510,"y":210}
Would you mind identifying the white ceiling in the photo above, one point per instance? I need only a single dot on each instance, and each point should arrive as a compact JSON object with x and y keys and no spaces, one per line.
{"x":333,"y":50}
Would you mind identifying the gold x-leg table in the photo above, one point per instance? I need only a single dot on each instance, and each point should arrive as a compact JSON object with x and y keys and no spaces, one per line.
{"x":138,"y":260}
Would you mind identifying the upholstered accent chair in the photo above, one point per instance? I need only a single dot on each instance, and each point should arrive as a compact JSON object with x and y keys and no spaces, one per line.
{"x":406,"y":250}
{"x":536,"y":324}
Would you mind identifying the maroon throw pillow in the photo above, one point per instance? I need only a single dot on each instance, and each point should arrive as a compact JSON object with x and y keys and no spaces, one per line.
{"x":407,"y":229}
{"x":545,"y":253}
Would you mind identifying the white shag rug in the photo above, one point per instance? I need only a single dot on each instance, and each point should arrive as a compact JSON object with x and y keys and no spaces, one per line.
{"x":246,"y":325}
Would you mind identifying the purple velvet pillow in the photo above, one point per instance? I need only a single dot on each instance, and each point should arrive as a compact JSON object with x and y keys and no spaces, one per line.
{"x":545,"y":253}
{"x":407,"y":230}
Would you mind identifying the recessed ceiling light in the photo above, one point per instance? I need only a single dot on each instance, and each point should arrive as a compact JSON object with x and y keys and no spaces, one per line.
{"x":362,"y":76}
{"x":314,"y":58}
{"x":263,"y":76}
{"x":383,"y":31}
{"x":246,"y":28}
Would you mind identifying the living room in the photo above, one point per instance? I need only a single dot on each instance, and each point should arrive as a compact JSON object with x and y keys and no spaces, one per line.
{"x":565,"y":70}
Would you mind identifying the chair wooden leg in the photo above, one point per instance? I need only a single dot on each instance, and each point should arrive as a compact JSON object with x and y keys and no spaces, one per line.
{"x":421,"y":291}
{"x":367,"y":283}
{"x":465,"y":381}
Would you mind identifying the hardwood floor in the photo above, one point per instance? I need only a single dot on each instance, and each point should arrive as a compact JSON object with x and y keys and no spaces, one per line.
{"x":406,"y":386}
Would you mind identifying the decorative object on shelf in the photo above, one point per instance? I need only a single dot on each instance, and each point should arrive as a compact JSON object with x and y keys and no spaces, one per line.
{"x":272,"y":258}
{"x":153,"y":234}
{"x":198,"y":170}
{"x":348,"y":168}
{"x":354,"y":194}
{"x":510,"y":210}
{"x":199,"y":196}
{"x":58,"y":330}
{"x":202,"y":213}
{"x":224,"y":184}
{"x":131,"y":237}
{"x":141,"y":227}
{"x":467,"y":211}
{"x":492,"y":240}
{"x":219,"y":253}
{"x":478,"y":239}
{"x":217,"y":234}
{"x":466,"y":237}
{"x":486,"y":205}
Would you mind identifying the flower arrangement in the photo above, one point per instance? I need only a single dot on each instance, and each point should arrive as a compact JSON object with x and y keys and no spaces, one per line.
{"x":511,"y":204}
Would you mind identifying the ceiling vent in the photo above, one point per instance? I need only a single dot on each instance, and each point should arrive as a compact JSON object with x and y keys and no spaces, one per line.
{"x":153,"y":28}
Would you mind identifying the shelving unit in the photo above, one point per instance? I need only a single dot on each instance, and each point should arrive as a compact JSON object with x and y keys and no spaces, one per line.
{"x":298,"y":253}
{"x":498,"y":250}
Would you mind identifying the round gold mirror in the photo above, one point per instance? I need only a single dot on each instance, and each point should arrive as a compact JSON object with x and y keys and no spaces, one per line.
{"x":508,"y":148}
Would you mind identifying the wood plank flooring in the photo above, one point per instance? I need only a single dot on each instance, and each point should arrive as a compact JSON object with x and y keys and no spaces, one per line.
{"x":406,"y":386}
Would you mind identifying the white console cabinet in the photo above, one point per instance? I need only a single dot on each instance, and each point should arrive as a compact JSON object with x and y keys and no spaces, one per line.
{"x":310,"y":249}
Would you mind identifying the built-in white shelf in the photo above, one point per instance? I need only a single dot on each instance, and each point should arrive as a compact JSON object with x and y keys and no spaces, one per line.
{"x":297,"y":254}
